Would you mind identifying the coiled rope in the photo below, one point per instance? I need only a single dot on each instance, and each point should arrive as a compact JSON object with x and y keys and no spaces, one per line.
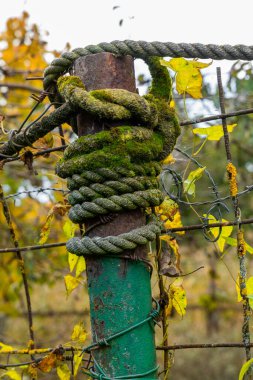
{"x":116,"y":170}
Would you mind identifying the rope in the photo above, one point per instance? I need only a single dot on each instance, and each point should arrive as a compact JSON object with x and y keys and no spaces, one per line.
{"x":116,"y":170}
{"x":143,"y":50}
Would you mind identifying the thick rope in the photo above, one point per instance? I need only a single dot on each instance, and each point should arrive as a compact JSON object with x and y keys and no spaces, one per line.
{"x":116,"y":170}
{"x":143,"y":49}
{"x":113,"y":244}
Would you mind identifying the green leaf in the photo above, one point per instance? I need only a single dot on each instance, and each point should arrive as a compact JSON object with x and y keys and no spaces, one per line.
{"x":245,"y":369}
{"x":189,"y":183}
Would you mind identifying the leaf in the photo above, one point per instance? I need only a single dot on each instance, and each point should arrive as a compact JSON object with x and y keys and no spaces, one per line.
{"x":45,"y":231}
{"x":249,"y":288}
{"x":48,"y":362}
{"x":246,"y":366}
{"x":189,"y":183}
{"x":168,"y":208}
{"x":177,"y":298}
{"x":233,"y":242}
{"x":11,"y":375}
{"x":188,"y":76}
{"x":32,"y":371}
{"x":213,"y":133}
{"x":79,"y":334}
{"x":169,"y":160}
{"x":4,"y":348}
{"x":71,"y":283}
{"x":81,"y":266}
{"x":72,"y":259}
{"x":225,"y":231}
{"x":59,"y":209}
{"x":69,"y":229}
{"x":63,"y":372}
{"x":77,"y":361}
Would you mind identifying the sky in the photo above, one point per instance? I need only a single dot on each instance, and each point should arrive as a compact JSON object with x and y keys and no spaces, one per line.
{"x":82,"y":22}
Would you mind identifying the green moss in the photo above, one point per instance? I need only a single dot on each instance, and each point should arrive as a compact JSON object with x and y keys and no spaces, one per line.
{"x":69,"y":83}
{"x":161,"y":81}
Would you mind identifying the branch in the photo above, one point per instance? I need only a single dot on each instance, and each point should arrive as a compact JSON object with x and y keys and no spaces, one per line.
{"x":202,"y":345}
{"x":7,"y":215}
{"x":17,"y":86}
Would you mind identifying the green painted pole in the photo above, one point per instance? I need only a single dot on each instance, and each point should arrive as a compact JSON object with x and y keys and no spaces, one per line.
{"x":119,"y":288}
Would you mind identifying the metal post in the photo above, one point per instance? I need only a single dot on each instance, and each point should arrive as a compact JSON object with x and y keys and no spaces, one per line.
{"x":119,"y":289}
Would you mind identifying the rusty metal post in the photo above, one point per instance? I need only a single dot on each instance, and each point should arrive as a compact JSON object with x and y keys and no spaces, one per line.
{"x":119,"y":289}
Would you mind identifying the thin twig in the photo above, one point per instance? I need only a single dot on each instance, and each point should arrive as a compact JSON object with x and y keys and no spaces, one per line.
{"x":202,"y":345}
{"x":7,"y":215}
{"x":32,"y":247}
{"x":17,"y":86}
{"x":217,"y":117}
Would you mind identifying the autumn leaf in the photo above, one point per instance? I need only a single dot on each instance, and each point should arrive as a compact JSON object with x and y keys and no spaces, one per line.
{"x":246,"y":366}
{"x":11,"y":375}
{"x":169,"y":160}
{"x":81,"y":266}
{"x":49,"y":362}
{"x":214,"y":133}
{"x":69,"y":229}
{"x":233,"y":242}
{"x":32,"y":371}
{"x":177,"y":298}
{"x":63,"y":372}
{"x":189,"y":183}
{"x":79,"y":334}
{"x":248,"y":290}
{"x":77,"y":361}
{"x":59,"y":209}
{"x":225,"y":231}
{"x":4,"y":348}
{"x":71,"y":283}
{"x":188,"y":76}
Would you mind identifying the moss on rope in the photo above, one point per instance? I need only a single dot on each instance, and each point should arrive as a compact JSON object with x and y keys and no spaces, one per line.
{"x":102,"y":169}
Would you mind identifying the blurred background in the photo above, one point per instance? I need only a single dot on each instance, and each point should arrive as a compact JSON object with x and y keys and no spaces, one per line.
{"x":31,"y":35}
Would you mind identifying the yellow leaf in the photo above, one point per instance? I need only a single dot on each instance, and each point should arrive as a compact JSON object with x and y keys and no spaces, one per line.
{"x":79,"y":334}
{"x":233,"y":242}
{"x":69,"y":229}
{"x":32,"y":371}
{"x":177,"y":298}
{"x":11,"y":375}
{"x":167,"y":208}
{"x":214,"y":133}
{"x":237,"y":286}
{"x":45,"y":231}
{"x":249,"y":288}
{"x":169,"y":160}
{"x":81,"y":266}
{"x":71,"y":283}
{"x":225,"y":231}
{"x":189,"y":183}
{"x":188,"y":76}
{"x":4,"y":348}
{"x":77,"y":361}
{"x":63,"y":372}
{"x":72,"y":259}
{"x":245,"y":368}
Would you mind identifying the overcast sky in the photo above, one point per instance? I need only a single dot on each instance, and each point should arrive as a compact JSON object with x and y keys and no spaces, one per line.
{"x":82,"y":22}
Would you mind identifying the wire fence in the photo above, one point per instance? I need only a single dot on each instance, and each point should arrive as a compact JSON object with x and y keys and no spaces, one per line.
{"x":19,"y":139}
